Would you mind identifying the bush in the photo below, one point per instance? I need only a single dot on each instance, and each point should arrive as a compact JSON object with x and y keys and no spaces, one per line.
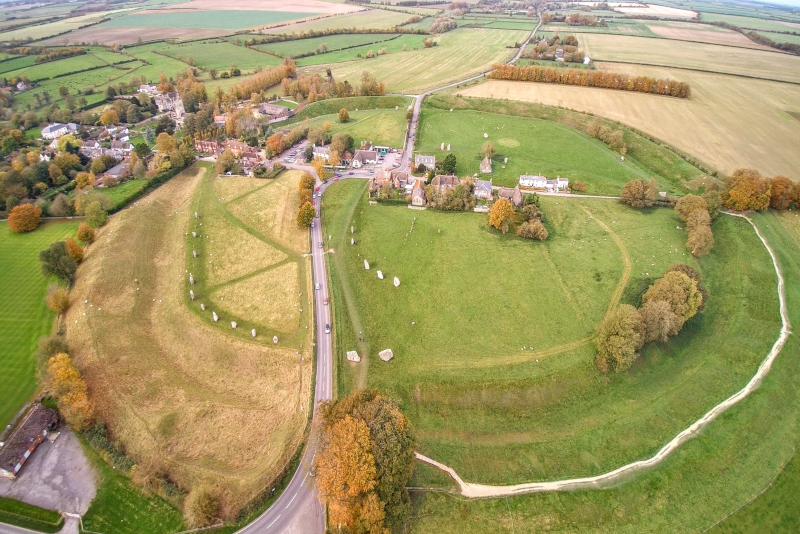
{"x":49,"y":346}
{"x":343,"y":115}
{"x":96,"y":216}
{"x":640,"y":194}
{"x":85,"y":233}
{"x":578,"y":187}
{"x":61,"y":206}
{"x":533,"y":229}
{"x":201,"y":507}
{"x":24,"y":218}
{"x":74,"y":249}
{"x":57,"y":298}
{"x":57,"y":262}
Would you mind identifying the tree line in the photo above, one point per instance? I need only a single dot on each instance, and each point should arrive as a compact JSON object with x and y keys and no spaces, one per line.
{"x":309,"y":34}
{"x":586,"y":78}
{"x":786,"y":46}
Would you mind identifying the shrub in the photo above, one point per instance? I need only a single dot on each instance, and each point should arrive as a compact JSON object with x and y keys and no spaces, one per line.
{"x":85,"y":233}
{"x":533,"y":229}
{"x":57,"y":262}
{"x":343,"y":115}
{"x":57,"y":298}
{"x":74,"y":249}
{"x":61,"y":206}
{"x":201,"y":507}
{"x":24,"y":218}
{"x":96,"y":216}
{"x":640,"y":194}
{"x":68,"y":386}
{"x":578,"y":187}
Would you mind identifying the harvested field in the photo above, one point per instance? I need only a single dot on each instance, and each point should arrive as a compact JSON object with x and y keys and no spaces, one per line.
{"x":270,"y":298}
{"x":169,"y":384}
{"x":130,"y":35}
{"x":702,"y":33}
{"x":654,"y":10}
{"x":232,"y":250}
{"x":222,"y":19}
{"x":370,"y":19}
{"x":297,"y":6}
{"x":735,"y":122}
{"x":751,"y":22}
{"x":53,"y":28}
{"x":272,"y":212}
{"x":706,"y":57}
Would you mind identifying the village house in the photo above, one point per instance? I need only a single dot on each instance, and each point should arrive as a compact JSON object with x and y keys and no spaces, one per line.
{"x":445,"y":182}
{"x":149,"y":89}
{"x":483,"y":189}
{"x":559,"y":54}
{"x":25,"y":438}
{"x":236,"y":147}
{"x":364,"y":157}
{"x":347,"y":158}
{"x":56,"y":130}
{"x":249,"y":160}
{"x":394,"y":178}
{"x":559,"y":184}
{"x":119,"y":150}
{"x":418,"y":195}
{"x":172,"y":103}
{"x":323,"y":152}
{"x":512,"y":195}
{"x":533,"y":181}
{"x":272,"y":111}
{"x":118,"y":172}
{"x":428,"y":161}
{"x":486,"y":166}
{"x":91,"y":149}
{"x":219,"y":120}
{"x":207,"y":146}
{"x":22,"y":86}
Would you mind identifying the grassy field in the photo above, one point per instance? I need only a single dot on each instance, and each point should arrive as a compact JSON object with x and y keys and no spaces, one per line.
{"x":24,"y":317}
{"x":459,"y":54}
{"x":31,"y":517}
{"x":117,"y":195}
{"x":53,"y":69}
{"x":673,"y":172}
{"x":16,"y":63}
{"x":704,"y":57}
{"x":215,"y":54}
{"x":736,"y":122}
{"x":97,"y":79}
{"x":381,"y":127}
{"x":728,"y":464}
{"x":531,"y":146}
{"x":334,"y":42}
{"x":218,"y":19}
{"x":120,"y":508}
{"x":167,"y":376}
{"x":622,"y":27}
{"x":403,"y":43}
{"x":43,"y":31}
{"x":492,"y":411}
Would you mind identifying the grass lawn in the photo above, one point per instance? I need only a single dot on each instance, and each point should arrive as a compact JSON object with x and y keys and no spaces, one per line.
{"x":121,"y":508}
{"x":52,"y":69}
{"x":222,"y":19}
{"x":381,"y":126}
{"x":731,"y":462}
{"x":334,"y":42}
{"x":531,"y":146}
{"x":389,"y":46}
{"x":31,"y":517}
{"x":24,"y":317}
{"x":215,"y":54}
{"x":119,"y":194}
{"x":499,"y":414}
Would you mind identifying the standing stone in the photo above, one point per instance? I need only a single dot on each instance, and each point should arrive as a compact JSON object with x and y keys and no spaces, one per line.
{"x":366,"y":265}
{"x":194,"y":234}
{"x":253,"y":332}
{"x":505,"y":160}
{"x":380,"y":275}
{"x":396,"y":282}
{"x":352,"y":241}
{"x":441,"y":147}
{"x":351,"y":230}
{"x":195,"y":215}
{"x":353,"y":356}
{"x":233,"y":324}
{"x":202,"y":307}
{"x":214,"y":316}
{"x":191,"y":279}
{"x":396,"y":108}
{"x":191,"y":294}
{"x":448,"y":147}
{"x":485,"y":135}
{"x":386,"y":355}
{"x":194,"y":254}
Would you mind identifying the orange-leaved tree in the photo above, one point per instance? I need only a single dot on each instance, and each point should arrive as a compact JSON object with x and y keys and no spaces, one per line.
{"x":24,"y":218}
{"x":74,"y":249}
{"x":499,"y":214}
{"x":65,"y":382}
{"x":85,"y":233}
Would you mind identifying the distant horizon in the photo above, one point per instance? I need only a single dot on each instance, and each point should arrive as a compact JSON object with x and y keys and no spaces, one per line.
{"x":792,"y":3}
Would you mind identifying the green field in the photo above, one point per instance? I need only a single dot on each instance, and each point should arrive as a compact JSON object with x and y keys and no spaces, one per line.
{"x":344,"y":47}
{"x":782,"y":37}
{"x":410,"y":42}
{"x":157,"y":64}
{"x":28,"y":516}
{"x":16,"y":63}
{"x":381,"y":126}
{"x":214,"y":54}
{"x":120,"y":508}
{"x":52,"y":69}
{"x":531,"y":146}
{"x":97,"y":79}
{"x":528,"y":25}
{"x":221,"y":19}
{"x":24,"y":317}
{"x":50,"y":29}
{"x":749,"y":22}
{"x":334,"y":42}
{"x":622,"y":27}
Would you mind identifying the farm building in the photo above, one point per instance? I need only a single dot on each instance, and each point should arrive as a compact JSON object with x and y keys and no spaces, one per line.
{"x":486,"y":166}
{"x":428,"y":161}
{"x":483,"y":189}
{"x":117,"y":172}
{"x":149,"y":89}
{"x":444,"y":182}
{"x":273,"y":111}
{"x":28,"y":434}
{"x":513,"y":195}
{"x":56,"y":130}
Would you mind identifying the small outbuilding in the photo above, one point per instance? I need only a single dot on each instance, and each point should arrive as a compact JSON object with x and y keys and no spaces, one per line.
{"x":25,"y":438}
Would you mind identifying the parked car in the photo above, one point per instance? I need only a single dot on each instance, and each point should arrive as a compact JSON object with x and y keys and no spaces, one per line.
{"x":336,"y":179}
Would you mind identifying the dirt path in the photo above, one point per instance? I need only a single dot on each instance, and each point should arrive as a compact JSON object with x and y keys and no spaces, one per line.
{"x":474,"y":491}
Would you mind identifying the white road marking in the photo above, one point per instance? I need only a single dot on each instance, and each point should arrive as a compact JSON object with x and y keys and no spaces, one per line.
{"x":290,"y":502}
{"x":273,"y":522}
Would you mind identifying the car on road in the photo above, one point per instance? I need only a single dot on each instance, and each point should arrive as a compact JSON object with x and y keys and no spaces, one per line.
{"x":314,"y":196}
{"x":317,"y":189}
{"x":320,"y":244}
{"x":327,"y":329}
{"x":336,"y":179}
{"x":326,"y":301}
{"x":316,"y":286}
{"x":312,"y":224}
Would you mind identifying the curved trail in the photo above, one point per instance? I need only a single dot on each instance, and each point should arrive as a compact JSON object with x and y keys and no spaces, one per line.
{"x":474,"y":491}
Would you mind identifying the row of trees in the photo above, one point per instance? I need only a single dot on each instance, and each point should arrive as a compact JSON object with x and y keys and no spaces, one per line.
{"x":443,"y":24}
{"x":615,"y":139}
{"x":308,"y":34}
{"x":306,"y":211}
{"x":666,"y":306}
{"x":589,"y":78}
{"x":697,"y":212}
{"x":365,"y":462}
{"x":315,"y":87}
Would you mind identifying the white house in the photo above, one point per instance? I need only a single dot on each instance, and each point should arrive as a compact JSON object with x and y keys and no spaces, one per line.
{"x":56,"y":130}
{"x":533,"y":181}
{"x":586,"y":60}
{"x":148,"y":89}
{"x":364,"y":157}
{"x":428,"y":161}
{"x":323,"y":152}
{"x":559,"y":184}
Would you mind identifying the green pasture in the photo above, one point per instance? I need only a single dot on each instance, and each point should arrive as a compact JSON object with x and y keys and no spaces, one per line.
{"x":220,"y":19}
{"x":16,"y":63}
{"x":725,"y":467}
{"x":528,"y":25}
{"x":97,"y":79}
{"x":484,"y":405}
{"x":53,"y":69}
{"x":379,"y":126}
{"x":410,"y":42}
{"x":618,"y":27}
{"x":331,"y":106}
{"x":531,"y":146}
{"x":782,"y":37}
{"x":24,"y":317}
{"x":334,"y":42}
{"x":155,"y":64}
{"x":216,"y":54}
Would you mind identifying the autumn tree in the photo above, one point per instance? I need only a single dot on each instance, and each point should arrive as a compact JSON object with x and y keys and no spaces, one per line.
{"x":165,"y":143}
{"x":658,"y":320}
{"x":201,"y":507}
{"x":499,"y":214}
{"x":61,"y":206}
{"x":305,"y":215}
{"x":275,"y":144}
{"x":109,"y":117}
{"x":690,"y":203}
{"x":96,"y":216}
{"x":487,"y":150}
{"x":57,"y":262}
{"x":74,"y":249}
{"x":319,"y":167}
{"x":694,"y":212}
{"x":307,"y":181}
{"x":344,"y":116}
{"x":640,"y":194}
{"x":680,"y":292}
{"x":781,"y":193}
{"x":85,"y":233}
{"x":746,"y":189}
{"x":24,"y":218}
{"x":618,"y":338}
{"x":57,"y":298}
{"x":66,"y":384}
{"x":533,"y":229}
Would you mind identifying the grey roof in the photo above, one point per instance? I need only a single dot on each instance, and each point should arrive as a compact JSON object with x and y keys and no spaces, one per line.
{"x":53,"y":127}
{"x":483,"y":185}
{"x":363,"y":155}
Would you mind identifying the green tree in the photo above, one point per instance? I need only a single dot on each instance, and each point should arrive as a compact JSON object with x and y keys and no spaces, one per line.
{"x":618,"y":338}
{"x":487,"y":150}
{"x":680,"y":292}
{"x":344,"y":116}
{"x":96,"y":216}
{"x":449,"y":164}
{"x":305,"y":215}
{"x":57,"y":262}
